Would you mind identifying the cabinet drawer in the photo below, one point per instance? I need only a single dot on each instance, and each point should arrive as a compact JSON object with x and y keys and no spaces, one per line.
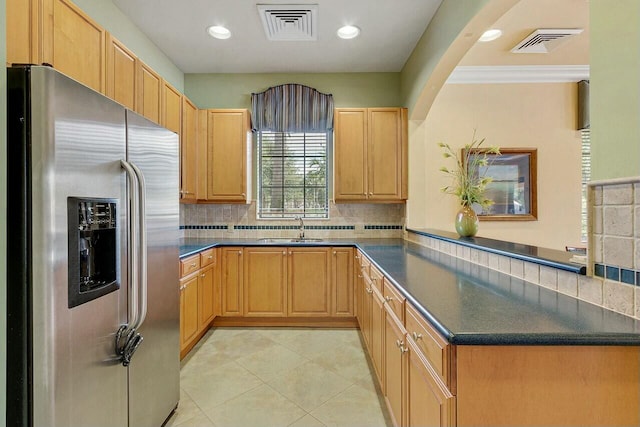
{"x":376,"y":278}
{"x":207,"y":257}
{"x":394,"y":300}
{"x":189,"y":265}
{"x":430,"y":343}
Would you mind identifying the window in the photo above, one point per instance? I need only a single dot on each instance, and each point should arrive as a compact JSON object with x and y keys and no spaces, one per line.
{"x":586,"y":177}
{"x":292,"y":175}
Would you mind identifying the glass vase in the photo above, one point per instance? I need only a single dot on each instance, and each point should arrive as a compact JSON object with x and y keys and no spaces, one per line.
{"x":466,"y":222}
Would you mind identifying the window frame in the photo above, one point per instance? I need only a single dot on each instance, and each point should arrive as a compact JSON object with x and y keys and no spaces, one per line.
{"x":289,"y":215}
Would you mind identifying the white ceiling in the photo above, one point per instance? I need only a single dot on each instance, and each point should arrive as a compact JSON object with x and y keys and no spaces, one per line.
{"x":390,"y":31}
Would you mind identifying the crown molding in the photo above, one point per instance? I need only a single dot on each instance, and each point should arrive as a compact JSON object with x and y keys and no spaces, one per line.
{"x":518,"y":74}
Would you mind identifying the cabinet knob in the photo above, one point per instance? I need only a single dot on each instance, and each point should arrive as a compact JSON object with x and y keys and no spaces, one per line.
{"x":359,"y":276}
{"x":284,"y":252}
{"x":210,"y":257}
{"x":239,"y":253}
{"x":244,"y":194}
{"x":193,"y":265}
{"x":416,"y":336}
{"x":357,"y":256}
{"x":335,"y":252}
{"x":403,"y":349}
{"x":388,"y":298}
{"x":371,"y":193}
{"x":203,"y":275}
{"x":369,"y":291}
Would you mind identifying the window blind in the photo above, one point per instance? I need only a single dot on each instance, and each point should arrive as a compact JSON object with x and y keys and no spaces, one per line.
{"x":292,"y":175}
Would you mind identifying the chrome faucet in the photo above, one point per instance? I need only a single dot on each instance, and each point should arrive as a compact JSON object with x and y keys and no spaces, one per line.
{"x":301,"y":236}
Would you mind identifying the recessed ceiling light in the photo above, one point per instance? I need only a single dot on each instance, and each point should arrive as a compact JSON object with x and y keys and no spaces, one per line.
{"x":348,"y":32}
{"x":219,"y":32}
{"x":490,"y":35}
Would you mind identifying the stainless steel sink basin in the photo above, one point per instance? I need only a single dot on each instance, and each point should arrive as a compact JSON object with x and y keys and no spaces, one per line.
{"x":288,"y":240}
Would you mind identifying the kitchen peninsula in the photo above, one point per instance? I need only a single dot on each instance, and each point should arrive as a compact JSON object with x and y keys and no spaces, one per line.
{"x":474,"y":345}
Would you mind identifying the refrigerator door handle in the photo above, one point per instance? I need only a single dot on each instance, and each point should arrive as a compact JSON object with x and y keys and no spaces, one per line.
{"x":142,"y":246}
{"x":132,"y":237}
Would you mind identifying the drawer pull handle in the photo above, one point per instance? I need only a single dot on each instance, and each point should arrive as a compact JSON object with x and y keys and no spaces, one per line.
{"x":193,"y":265}
{"x":417,"y":336}
{"x":357,"y":256}
{"x":403,"y":349}
{"x":388,"y":298}
{"x":399,"y":343}
{"x":369,"y":291}
{"x":203,"y":275}
{"x":210,"y":257}
{"x":359,"y":276}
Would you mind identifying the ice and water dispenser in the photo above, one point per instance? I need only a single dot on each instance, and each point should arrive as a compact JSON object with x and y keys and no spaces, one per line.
{"x":93,"y":248}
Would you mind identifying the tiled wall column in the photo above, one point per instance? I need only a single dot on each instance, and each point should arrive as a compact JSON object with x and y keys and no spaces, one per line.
{"x":614,"y":246}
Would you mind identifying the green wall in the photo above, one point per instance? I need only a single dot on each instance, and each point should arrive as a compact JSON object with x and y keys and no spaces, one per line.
{"x":450,"y":18}
{"x":107,"y":14}
{"x":3,"y":217}
{"x":348,"y":89}
{"x":615,"y":89}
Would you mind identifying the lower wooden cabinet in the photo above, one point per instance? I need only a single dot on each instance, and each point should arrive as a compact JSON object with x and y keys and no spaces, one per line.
{"x":376,"y":340}
{"x":264,"y":281}
{"x":365,"y":314}
{"x":429,"y":402}
{"x":309,"y":282}
{"x":231,"y":281}
{"x":342,"y":303}
{"x":395,"y":357}
{"x":188,"y":310}
{"x":198,"y":297}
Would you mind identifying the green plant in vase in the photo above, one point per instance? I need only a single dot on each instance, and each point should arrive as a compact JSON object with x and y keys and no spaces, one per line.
{"x":469,"y":181}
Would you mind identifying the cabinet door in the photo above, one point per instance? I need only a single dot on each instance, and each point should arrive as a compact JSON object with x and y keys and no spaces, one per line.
{"x":227,"y":155}
{"x":385,"y":153}
{"x":377,"y":335}
{"x":73,"y":43}
{"x":22,"y":31}
{"x":188,"y":151}
{"x":309,"y":282}
{"x":205,"y":296}
{"x":188,"y":310}
{"x":429,"y":403}
{"x":350,"y":154}
{"x":395,"y":360}
{"x":265,"y":281}
{"x":342,"y":281}
{"x":201,"y":154}
{"x":231,"y":281}
{"x":121,"y":73}
{"x":171,"y":108}
{"x":149,"y":93}
{"x":367,"y":303}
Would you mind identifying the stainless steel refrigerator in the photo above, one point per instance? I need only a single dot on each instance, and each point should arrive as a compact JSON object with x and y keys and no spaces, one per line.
{"x":92,"y":283}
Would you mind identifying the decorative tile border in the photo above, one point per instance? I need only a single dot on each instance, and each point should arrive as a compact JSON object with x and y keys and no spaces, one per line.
{"x":383,"y":227}
{"x":619,"y":274}
{"x":203,"y":227}
{"x":290,"y":227}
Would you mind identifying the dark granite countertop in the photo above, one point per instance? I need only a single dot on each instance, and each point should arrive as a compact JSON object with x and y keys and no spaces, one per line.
{"x":543,"y":256}
{"x":474,"y":305}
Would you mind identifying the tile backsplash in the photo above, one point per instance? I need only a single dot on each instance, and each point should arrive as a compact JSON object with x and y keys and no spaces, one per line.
{"x":346,"y":220}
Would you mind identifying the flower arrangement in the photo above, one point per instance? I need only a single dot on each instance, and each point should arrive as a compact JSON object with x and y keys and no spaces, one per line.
{"x":469,"y":179}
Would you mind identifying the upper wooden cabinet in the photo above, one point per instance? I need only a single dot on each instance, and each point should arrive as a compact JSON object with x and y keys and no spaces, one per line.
{"x":188,"y":151}
{"x":73,"y":43}
{"x":121,"y":73}
{"x":149,"y":93}
{"x":171,"y":104}
{"x":227,"y":158}
{"x":370,"y":154}
{"x":23,"y":32}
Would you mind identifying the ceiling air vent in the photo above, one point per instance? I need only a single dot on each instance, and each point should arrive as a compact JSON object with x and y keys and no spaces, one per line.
{"x":289,"y":22}
{"x":545,"y":40}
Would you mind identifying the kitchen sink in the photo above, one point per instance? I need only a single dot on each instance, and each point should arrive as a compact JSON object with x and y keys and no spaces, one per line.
{"x":288,"y":240}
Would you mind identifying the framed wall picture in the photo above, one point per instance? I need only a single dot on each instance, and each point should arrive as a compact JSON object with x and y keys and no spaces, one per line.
{"x":513,"y":189}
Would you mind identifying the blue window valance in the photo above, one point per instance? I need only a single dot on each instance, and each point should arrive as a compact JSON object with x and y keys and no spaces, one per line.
{"x":291,"y":108}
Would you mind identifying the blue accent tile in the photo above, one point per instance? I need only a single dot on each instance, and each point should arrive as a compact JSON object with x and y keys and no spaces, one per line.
{"x":613,"y":273}
{"x":637,"y":278}
{"x":627,"y":276}
{"x":599,"y":270}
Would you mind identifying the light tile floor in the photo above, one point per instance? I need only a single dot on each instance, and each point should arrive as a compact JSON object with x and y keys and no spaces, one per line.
{"x":244,"y":377}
